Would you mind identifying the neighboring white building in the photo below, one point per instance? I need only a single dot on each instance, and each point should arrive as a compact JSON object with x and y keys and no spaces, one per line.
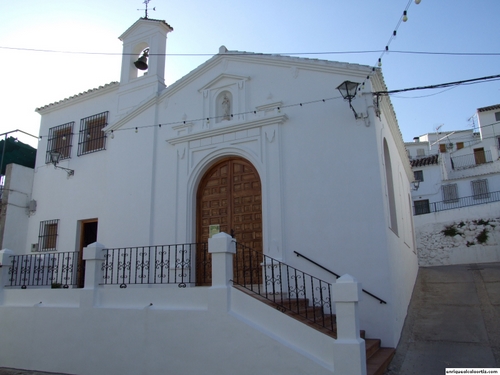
{"x":456,"y":168}
{"x":259,"y":146}
{"x":458,"y":171}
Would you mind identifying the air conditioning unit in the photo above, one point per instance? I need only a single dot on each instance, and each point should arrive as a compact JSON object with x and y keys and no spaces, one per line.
{"x":34,"y":247}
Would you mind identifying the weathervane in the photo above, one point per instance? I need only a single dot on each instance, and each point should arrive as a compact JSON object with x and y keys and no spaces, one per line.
{"x":146,"y":10}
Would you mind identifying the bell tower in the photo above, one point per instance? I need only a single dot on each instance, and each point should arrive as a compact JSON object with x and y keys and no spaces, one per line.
{"x":143,"y":59}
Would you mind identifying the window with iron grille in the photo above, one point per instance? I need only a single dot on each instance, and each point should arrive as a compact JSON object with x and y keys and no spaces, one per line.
{"x":60,"y":140}
{"x":47,"y":235}
{"x":418,"y":175}
{"x":480,"y":189}
{"x":497,"y":116}
{"x":92,"y":138}
{"x":450,"y":193}
{"x":422,"y":207}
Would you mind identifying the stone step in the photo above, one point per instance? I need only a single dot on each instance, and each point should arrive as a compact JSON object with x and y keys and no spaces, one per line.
{"x":379,"y":361}
{"x":377,"y":358}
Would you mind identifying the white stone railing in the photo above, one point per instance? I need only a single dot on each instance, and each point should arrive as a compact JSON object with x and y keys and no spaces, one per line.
{"x":346,"y":354}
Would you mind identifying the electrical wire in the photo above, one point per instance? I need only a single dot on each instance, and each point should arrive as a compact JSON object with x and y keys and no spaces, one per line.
{"x":208,"y":119}
{"x":441,"y":85}
{"x":236,"y":53}
{"x":423,"y":96}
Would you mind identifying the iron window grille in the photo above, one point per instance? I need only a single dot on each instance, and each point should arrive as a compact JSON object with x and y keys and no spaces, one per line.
{"x":47,"y":235}
{"x":60,"y":139}
{"x":480,"y":189}
{"x":450,"y":193}
{"x":418,"y":175}
{"x":422,"y":207}
{"x":92,"y":138}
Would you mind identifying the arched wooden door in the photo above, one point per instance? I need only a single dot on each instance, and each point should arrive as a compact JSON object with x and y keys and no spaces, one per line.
{"x":229,"y":195}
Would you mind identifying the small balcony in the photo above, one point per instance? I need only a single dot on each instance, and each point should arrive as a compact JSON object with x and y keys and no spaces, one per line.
{"x":425,"y":207}
{"x":479,"y":157}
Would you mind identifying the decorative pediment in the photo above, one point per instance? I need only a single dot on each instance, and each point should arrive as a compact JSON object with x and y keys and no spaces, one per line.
{"x":144,"y":25}
{"x":224,"y":99}
{"x":224,"y":80}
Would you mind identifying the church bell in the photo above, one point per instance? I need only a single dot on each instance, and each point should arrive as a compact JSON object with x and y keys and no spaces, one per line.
{"x":142,"y":62}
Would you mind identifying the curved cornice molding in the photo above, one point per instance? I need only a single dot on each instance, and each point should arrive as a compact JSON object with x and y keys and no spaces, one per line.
{"x":233,"y":127}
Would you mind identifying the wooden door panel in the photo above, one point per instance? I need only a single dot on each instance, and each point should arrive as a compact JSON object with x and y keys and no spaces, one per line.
{"x":230,"y":195}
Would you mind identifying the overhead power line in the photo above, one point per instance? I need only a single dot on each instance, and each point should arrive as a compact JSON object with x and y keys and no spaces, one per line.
{"x":442,"y":85}
{"x":271,"y":53}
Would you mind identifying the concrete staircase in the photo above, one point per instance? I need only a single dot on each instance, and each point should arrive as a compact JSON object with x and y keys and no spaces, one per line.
{"x":377,"y":357}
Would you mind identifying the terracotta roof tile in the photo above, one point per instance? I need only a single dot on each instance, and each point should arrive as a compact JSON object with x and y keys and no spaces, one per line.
{"x":422,"y":162}
{"x":161,"y":21}
{"x":490,"y":108}
{"x":76,"y":96}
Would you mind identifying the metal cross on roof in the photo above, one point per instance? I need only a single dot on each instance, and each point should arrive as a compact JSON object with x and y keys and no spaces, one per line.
{"x":146,"y":10}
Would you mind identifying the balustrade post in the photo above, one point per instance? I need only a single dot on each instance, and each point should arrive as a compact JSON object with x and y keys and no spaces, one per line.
{"x":93,"y":257}
{"x":222,"y":247}
{"x":349,"y":355}
{"x":5,"y":263}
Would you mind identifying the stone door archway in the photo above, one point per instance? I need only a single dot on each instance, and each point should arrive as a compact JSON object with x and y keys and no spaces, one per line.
{"x":230,"y":196}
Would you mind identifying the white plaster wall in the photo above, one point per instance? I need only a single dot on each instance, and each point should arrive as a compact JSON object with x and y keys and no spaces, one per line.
{"x":182,"y":332}
{"x":79,"y":197}
{"x":400,"y":271}
{"x":488,"y":126}
{"x":323,"y":180}
{"x":15,"y":213}
{"x":430,"y":188}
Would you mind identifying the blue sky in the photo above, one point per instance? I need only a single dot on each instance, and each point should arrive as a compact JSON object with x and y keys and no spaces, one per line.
{"x":31,"y":79}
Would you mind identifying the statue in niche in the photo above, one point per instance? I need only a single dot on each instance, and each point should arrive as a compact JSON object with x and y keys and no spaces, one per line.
{"x":226,"y":108}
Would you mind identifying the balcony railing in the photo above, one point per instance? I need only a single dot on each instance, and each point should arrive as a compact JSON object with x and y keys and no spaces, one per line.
{"x":471,"y":160}
{"x":288,"y":288}
{"x":425,"y":208}
{"x":164,"y":264}
{"x":48,"y":269}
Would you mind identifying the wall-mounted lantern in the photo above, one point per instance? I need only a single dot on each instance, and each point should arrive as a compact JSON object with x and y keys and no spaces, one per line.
{"x":54,"y":158}
{"x":348,"y":91}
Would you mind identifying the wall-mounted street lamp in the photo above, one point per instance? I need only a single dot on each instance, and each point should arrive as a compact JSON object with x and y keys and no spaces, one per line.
{"x":415,"y":185}
{"x":348,"y":91}
{"x":54,"y":158}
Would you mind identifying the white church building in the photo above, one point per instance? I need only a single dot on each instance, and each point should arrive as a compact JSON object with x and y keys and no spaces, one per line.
{"x":261,"y":147}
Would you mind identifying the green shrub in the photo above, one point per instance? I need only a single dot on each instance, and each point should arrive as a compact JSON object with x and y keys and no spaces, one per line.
{"x":482,"y":237}
{"x":449,"y":230}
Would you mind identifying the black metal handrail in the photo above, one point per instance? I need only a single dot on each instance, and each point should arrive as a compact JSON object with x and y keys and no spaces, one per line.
{"x":289,"y":289}
{"x":337,"y":276}
{"x":161,"y":264}
{"x":421,"y":208}
{"x":47,"y":269}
